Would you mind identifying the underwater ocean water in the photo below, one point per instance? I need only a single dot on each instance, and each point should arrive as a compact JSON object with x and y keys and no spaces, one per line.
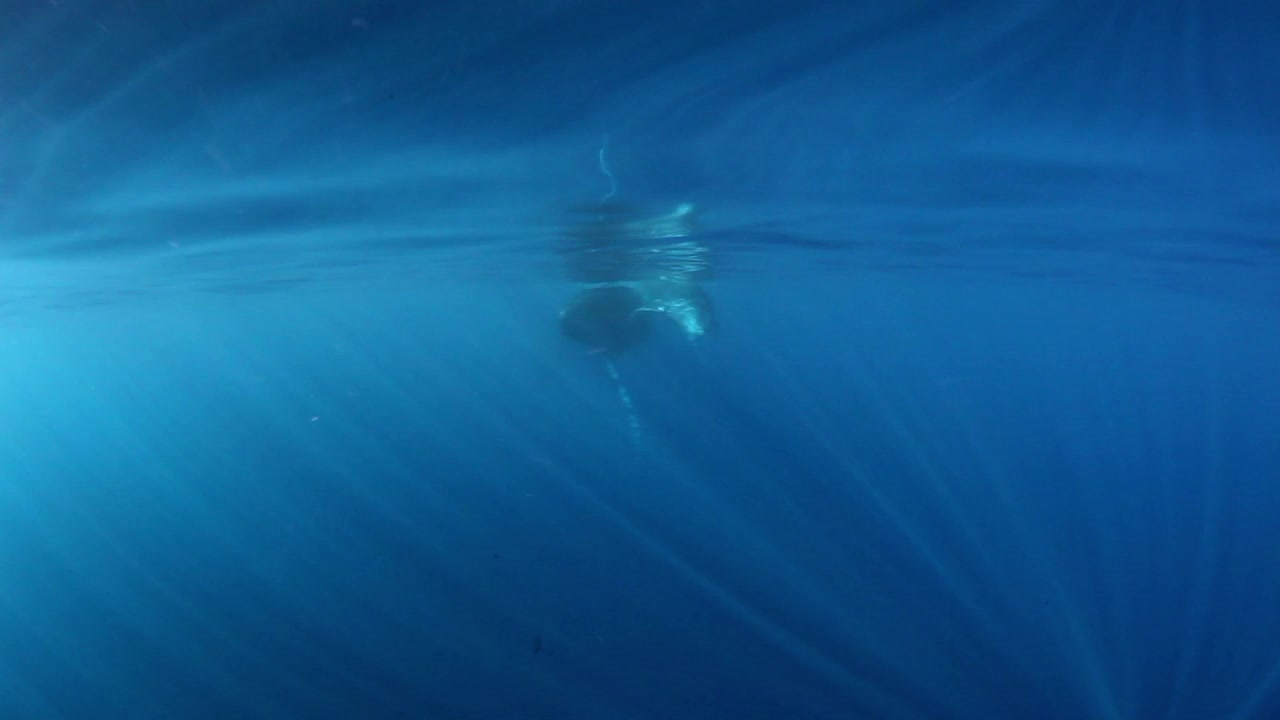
{"x":569,"y":359}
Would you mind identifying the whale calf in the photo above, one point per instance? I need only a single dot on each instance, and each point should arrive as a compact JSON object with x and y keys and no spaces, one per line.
{"x":630,"y":270}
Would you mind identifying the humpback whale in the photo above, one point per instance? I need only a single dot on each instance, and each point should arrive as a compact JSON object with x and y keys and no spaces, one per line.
{"x":630,"y":270}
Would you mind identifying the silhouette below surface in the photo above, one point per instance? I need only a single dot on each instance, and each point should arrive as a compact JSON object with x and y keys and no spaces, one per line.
{"x":631,"y":268}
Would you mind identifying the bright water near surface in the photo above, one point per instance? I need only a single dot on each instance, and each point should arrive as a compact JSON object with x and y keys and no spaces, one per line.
{"x":985,"y":422}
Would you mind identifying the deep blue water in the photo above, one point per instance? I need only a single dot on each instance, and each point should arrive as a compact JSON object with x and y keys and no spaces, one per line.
{"x":989,"y":426}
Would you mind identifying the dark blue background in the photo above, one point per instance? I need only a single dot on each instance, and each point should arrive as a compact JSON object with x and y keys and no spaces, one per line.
{"x":988,"y":428}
